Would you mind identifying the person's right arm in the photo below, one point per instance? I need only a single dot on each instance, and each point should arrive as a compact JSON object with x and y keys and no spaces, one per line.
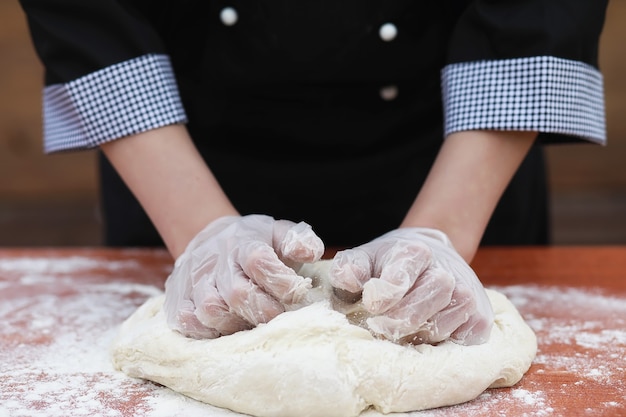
{"x":110,"y":84}
{"x":168,"y":176}
{"x":231,"y":272}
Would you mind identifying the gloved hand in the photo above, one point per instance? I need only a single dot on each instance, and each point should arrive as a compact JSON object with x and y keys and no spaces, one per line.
{"x":416,"y":287}
{"x":236,"y":273}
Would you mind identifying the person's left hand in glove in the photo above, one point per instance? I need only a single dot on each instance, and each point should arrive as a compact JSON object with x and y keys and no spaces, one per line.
{"x":417,"y":288}
{"x":415,"y":283}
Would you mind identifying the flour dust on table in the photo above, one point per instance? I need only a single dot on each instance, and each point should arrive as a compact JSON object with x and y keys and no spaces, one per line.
{"x":313,"y":361}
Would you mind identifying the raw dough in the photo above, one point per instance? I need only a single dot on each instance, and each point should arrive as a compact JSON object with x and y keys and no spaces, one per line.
{"x":312,"y":362}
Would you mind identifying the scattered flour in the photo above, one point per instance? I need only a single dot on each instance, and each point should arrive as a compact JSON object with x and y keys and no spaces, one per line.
{"x":55,"y":332}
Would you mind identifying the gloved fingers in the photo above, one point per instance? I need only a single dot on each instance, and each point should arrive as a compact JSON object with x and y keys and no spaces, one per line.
{"x":261,"y":264}
{"x":178,"y":309}
{"x":477,"y":329}
{"x":245,"y":298}
{"x":349,"y":270}
{"x":430,"y":294}
{"x":296,"y":244}
{"x":466,"y":321}
{"x":186,"y":322}
{"x":441,"y":325}
{"x":212,"y":311}
{"x":400,"y":266}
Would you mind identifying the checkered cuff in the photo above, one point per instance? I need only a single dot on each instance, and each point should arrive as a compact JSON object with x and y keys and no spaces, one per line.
{"x":119,"y":100}
{"x":544,"y":94}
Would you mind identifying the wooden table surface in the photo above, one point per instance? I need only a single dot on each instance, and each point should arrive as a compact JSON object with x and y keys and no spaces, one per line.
{"x":60,"y":309}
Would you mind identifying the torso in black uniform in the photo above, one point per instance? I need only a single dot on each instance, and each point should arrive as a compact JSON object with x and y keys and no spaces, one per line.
{"x":287,"y":108}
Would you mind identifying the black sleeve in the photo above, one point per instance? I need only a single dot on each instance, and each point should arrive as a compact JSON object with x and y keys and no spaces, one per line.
{"x":77,"y":37}
{"x":528,"y":65}
{"x":506,"y":29}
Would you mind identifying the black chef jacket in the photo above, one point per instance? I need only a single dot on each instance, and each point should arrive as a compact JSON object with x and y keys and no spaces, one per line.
{"x":329,"y":112}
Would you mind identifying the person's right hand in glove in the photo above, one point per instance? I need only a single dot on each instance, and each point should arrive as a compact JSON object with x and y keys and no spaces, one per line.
{"x":239,"y":272}
{"x":231,"y":272}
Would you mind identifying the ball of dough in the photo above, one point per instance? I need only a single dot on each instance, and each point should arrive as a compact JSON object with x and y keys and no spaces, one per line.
{"x":312,"y":361}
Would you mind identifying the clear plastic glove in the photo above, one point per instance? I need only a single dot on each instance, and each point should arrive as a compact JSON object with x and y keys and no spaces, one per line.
{"x":238,"y":272}
{"x":416,"y":288}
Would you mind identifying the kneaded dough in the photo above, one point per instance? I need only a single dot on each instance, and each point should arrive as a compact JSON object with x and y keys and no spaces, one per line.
{"x":312,"y":361}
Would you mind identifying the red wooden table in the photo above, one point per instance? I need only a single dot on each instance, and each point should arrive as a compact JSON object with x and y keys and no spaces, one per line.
{"x":60,"y":309}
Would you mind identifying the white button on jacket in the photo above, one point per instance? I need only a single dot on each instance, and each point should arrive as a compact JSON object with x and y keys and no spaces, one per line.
{"x":389,"y":92}
{"x":388,"y":32}
{"x":229,"y":16}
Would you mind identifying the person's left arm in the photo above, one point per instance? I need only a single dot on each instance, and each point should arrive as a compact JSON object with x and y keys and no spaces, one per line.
{"x":519,"y":71}
{"x":471,"y":172}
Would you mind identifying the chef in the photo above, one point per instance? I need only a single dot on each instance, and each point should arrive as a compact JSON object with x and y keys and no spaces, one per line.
{"x":246,"y":135}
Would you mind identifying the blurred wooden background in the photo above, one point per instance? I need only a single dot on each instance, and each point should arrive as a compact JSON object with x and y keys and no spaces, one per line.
{"x":51,"y":200}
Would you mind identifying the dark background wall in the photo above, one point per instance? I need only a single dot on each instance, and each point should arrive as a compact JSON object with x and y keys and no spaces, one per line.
{"x":52,"y":200}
